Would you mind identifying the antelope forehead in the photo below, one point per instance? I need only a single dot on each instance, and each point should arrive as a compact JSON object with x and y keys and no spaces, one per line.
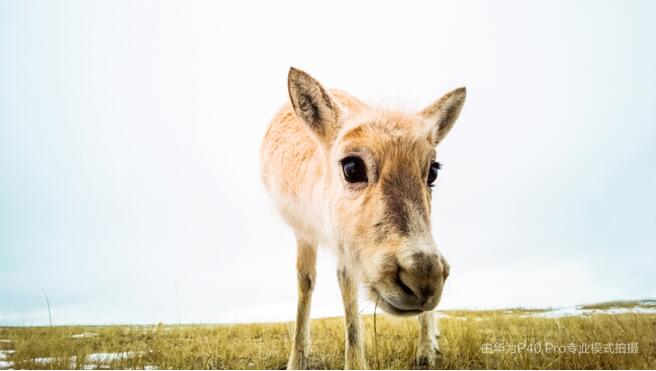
{"x":385,"y":144}
{"x":385,"y":124}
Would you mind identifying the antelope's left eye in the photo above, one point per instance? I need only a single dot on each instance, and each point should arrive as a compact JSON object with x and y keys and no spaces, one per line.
{"x":432,"y":172}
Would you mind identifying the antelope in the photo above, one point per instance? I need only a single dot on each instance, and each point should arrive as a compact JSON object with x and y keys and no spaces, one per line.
{"x":357,"y":180}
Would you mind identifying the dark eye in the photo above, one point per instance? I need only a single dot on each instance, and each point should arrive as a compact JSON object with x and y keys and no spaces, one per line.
{"x":354,"y":169}
{"x":432,"y":173}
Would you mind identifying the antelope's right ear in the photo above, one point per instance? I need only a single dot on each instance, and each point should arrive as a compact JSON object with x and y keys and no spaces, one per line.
{"x":443,"y":113}
{"x":313,"y":105}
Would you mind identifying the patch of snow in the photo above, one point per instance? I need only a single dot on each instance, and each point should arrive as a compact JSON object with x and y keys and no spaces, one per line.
{"x":109,"y":357}
{"x":95,"y":367}
{"x":43,"y":360}
{"x":4,"y":353}
{"x":638,"y":310}
{"x":5,"y":341}
{"x":151,"y":367}
{"x":6,"y":364}
{"x":561,"y":312}
{"x":93,"y":357}
{"x":46,"y":360}
{"x":84,"y":335}
{"x":99,"y":358}
{"x":579,"y":311}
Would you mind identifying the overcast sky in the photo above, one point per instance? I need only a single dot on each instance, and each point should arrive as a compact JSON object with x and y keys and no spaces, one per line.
{"x":130,"y":131}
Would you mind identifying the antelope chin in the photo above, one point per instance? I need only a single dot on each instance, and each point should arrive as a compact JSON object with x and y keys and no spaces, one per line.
{"x":390,"y":308}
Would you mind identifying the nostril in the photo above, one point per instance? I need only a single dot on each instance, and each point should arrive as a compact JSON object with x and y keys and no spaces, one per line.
{"x":403,"y":286}
{"x":426,"y":294}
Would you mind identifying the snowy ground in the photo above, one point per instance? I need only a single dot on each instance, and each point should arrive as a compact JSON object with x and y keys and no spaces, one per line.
{"x":4,"y":354}
{"x":580,"y":311}
{"x":84,"y":335}
{"x":641,"y":307}
{"x":97,"y":360}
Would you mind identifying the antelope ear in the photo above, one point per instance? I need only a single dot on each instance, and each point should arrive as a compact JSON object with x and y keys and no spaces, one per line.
{"x":313,"y":104}
{"x":443,"y":113}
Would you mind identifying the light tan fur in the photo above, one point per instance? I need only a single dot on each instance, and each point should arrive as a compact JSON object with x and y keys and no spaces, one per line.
{"x":379,"y":227}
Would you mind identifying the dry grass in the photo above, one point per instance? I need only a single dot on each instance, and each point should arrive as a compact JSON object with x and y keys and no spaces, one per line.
{"x":266,"y":346}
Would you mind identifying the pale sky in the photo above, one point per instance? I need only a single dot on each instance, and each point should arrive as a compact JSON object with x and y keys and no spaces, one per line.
{"x":130,"y":131}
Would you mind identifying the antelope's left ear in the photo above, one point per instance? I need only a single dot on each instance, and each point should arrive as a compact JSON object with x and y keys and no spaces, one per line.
{"x":443,"y":113}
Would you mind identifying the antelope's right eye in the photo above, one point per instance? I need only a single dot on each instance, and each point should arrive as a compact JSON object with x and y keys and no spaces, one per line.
{"x":354,"y":169}
{"x":432,"y":172}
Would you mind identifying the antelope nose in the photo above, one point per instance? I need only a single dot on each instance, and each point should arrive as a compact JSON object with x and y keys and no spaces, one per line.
{"x":423,"y":277}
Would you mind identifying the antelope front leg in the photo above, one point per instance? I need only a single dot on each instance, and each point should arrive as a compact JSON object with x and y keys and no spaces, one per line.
{"x":428,"y":352}
{"x":354,"y":358}
{"x":306,"y":259}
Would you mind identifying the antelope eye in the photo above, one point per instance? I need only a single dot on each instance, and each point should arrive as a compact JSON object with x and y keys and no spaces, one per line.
{"x":354,"y":169}
{"x":432,"y":173}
